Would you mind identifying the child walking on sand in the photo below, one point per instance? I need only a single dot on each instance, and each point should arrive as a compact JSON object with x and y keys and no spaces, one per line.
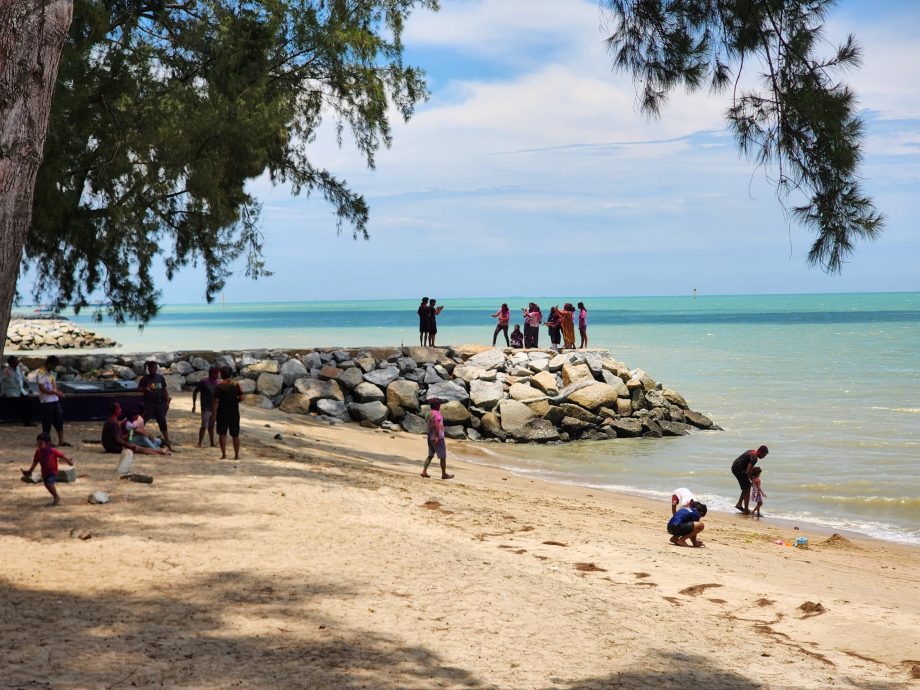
{"x":757,"y":494}
{"x":47,"y":456}
{"x":436,"y":440}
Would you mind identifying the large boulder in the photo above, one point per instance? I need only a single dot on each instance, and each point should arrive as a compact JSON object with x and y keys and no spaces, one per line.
{"x":625,"y":426}
{"x":195,"y":377}
{"x":485,"y":394}
{"x":200,"y":363}
{"x":312,"y":360}
{"x":655,"y":399}
{"x":675,"y":398}
{"x":292,"y":370}
{"x":523,"y":391}
{"x":351,"y":377}
{"x":574,"y":373}
{"x":296,"y":403}
{"x":367,"y":392}
{"x":405,"y":364}
{"x":174,"y":382}
{"x":468,"y":372}
{"x":455,"y":413}
{"x":578,"y":412}
{"x":404,"y":394}
{"x":616,"y":382}
{"x":422,"y":355}
{"x":674,"y":428}
{"x":648,"y":383}
{"x":414,"y":424}
{"x":269,"y":384}
{"x":624,"y":407}
{"x":698,"y":420}
{"x":269,"y":366}
{"x":490,"y":425}
{"x":330,"y":373}
{"x":570,"y":389}
{"x":536,"y":430}
{"x":259,"y":401}
{"x":574,"y":426}
{"x":448,"y":390}
{"x":557,"y":362}
{"x":183,"y":368}
{"x":540,"y":406}
{"x":514,"y":414}
{"x":373,"y":412}
{"x":382,"y":377}
{"x":319,"y":390}
{"x":546,"y":382}
{"x":333,"y":408}
{"x":594,"y":396}
{"x":490,"y":359}
{"x":366,"y":364}
{"x":247,"y":386}
{"x":455,"y":431}
{"x":432,"y":376}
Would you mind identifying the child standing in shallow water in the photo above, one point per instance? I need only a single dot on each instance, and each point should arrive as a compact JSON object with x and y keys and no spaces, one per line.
{"x":47,"y":456}
{"x":436,"y":441}
{"x":757,"y":494}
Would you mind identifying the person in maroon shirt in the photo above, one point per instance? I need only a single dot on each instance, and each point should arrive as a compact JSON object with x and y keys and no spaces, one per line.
{"x":47,"y":457}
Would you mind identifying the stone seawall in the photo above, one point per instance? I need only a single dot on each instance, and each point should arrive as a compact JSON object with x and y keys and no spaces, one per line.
{"x":50,"y":332}
{"x":486,"y":393}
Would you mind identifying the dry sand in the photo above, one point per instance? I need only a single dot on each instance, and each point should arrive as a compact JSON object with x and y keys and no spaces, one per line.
{"x":323,"y":560}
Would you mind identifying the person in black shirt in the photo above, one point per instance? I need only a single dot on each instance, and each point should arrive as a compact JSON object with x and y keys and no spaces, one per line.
{"x":423,"y":322}
{"x":226,"y":406}
{"x":156,"y":398}
{"x":743,"y":468}
{"x":433,"y":312}
{"x":206,"y":388}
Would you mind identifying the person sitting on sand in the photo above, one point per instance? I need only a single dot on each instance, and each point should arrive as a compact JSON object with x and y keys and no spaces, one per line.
{"x":114,"y":439}
{"x":136,"y":431}
{"x":47,"y":456}
{"x":742,"y":468}
{"x":681,"y":498}
{"x":517,"y":337}
{"x":757,"y":494}
{"x":686,"y":524}
{"x":436,"y":440}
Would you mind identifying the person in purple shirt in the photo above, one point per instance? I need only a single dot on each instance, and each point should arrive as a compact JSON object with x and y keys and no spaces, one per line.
{"x":686,"y":523}
{"x":583,"y":325}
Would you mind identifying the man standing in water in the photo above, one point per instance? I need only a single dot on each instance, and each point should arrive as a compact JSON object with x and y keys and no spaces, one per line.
{"x":743,"y":468}
{"x":423,"y":322}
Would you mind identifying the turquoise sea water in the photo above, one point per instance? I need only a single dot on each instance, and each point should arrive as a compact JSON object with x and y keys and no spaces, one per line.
{"x":831,"y":383}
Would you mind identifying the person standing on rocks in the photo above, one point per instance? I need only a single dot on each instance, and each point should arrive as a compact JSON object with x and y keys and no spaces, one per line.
{"x":206,"y":388}
{"x":554,"y":324}
{"x":423,"y":322}
{"x":583,"y":325}
{"x":436,"y":444}
{"x":433,"y":312}
{"x":567,"y":317}
{"x":49,"y":399}
{"x":226,"y":410}
{"x":504,"y":316}
{"x":533,"y":318}
{"x":743,"y":469}
{"x":156,"y":398}
{"x":13,"y":387}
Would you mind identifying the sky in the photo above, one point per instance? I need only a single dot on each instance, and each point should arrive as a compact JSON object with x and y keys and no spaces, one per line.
{"x":531,"y":171}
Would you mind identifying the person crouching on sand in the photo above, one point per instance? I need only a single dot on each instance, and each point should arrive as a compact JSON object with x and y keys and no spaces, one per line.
{"x":47,"y":456}
{"x":686,"y":524}
{"x":436,"y":440}
{"x":681,"y":498}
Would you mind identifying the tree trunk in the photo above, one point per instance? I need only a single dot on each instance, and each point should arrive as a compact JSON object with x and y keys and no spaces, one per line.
{"x":32,"y":34}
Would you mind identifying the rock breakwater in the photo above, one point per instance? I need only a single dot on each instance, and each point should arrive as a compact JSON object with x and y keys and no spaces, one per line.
{"x":51,"y":333}
{"x":486,"y":393}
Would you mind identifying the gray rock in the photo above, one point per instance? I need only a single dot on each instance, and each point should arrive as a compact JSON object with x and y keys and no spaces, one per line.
{"x":199,"y":363}
{"x":295,"y":403}
{"x":382,"y":377}
{"x":573,"y":426}
{"x":414,"y":424}
{"x":594,"y":396}
{"x":247,"y":386}
{"x":366,"y":392}
{"x":652,"y":428}
{"x":330,"y":373}
{"x":366,"y":364}
{"x":490,"y":425}
{"x":615,"y":382}
{"x":625,"y":426}
{"x":557,"y":362}
{"x":390,"y":426}
{"x":523,"y":391}
{"x":195,"y":377}
{"x":484,"y":394}
{"x":259,"y":401}
{"x":473,"y":435}
{"x":455,"y":413}
{"x":405,"y":364}
{"x":404,"y":394}
{"x":341,"y":355}
{"x":578,"y":412}
{"x":447,"y":391}
{"x":538,"y":365}
{"x":655,"y":399}
{"x":546,"y":382}
{"x":457,"y":432}
{"x":318,"y":390}
{"x":270,"y":366}
{"x":183,"y":368}
{"x":373,"y":412}
{"x":312,"y":360}
{"x":514,"y":414}
{"x":490,"y":359}
{"x":468,"y":372}
{"x":432,"y":376}
{"x":442,"y":372}
{"x":292,"y":370}
{"x":422,"y":355}
{"x":565,"y":392}
{"x":269,"y":384}
{"x":675,"y":398}
{"x":124,"y":373}
{"x":225,"y":360}
{"x":674,"y":428}
{"x":698,"y":420}
{"x":174,"y":382}
{"x":351,"y":377}
{"x":536,"y":430}
{"x":333,"y":408}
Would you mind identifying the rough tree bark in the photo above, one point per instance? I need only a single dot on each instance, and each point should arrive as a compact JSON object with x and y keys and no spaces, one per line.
{"x":32,"y":34}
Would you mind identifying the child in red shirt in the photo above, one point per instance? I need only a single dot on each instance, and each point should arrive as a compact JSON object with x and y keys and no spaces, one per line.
{"x":47,"y":456}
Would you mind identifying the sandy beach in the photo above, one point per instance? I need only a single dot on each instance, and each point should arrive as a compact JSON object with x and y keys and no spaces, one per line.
{"x":323,"y":560}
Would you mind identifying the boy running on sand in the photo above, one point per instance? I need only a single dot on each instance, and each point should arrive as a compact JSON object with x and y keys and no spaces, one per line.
{"x":47,"y":456}
{"x":436,"y":440}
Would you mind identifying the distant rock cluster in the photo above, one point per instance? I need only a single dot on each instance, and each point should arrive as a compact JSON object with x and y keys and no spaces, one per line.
{"x":486,"y":393}
{"x":51,"y":333}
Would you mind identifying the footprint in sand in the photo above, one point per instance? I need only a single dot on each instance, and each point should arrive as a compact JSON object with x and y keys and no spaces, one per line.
{"x":589,"y":568}
{"x":554,"y":543}
{"x":639,"y":575}
{"x":764,"y":602}
{"x":696,"y":590}
{"x":811,"y":609}
{"x":673,"y":600}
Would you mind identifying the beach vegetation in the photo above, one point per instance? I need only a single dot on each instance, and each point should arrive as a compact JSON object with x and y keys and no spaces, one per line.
{"x":797,"y":119}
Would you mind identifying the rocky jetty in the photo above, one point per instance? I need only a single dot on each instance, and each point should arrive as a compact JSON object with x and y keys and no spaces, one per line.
{"x":50,"y":333}
{"x":486,"y":393}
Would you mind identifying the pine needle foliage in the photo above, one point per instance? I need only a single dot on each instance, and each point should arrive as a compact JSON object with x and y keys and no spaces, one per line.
{"x":800,"y":123}
{"x":165,"y":109}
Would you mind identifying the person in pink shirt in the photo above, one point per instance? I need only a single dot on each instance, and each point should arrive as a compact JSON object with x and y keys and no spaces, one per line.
{"x":436,"y":444}
{"x":504,"y":316}
{"x":583,"y":325}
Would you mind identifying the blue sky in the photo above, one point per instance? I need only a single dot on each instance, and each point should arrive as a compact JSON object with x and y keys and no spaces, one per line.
{"x":531,"y":171}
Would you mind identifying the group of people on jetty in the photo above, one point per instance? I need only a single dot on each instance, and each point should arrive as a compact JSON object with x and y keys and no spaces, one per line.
{"x":560,"y":322}
{"x":125,"y":434}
